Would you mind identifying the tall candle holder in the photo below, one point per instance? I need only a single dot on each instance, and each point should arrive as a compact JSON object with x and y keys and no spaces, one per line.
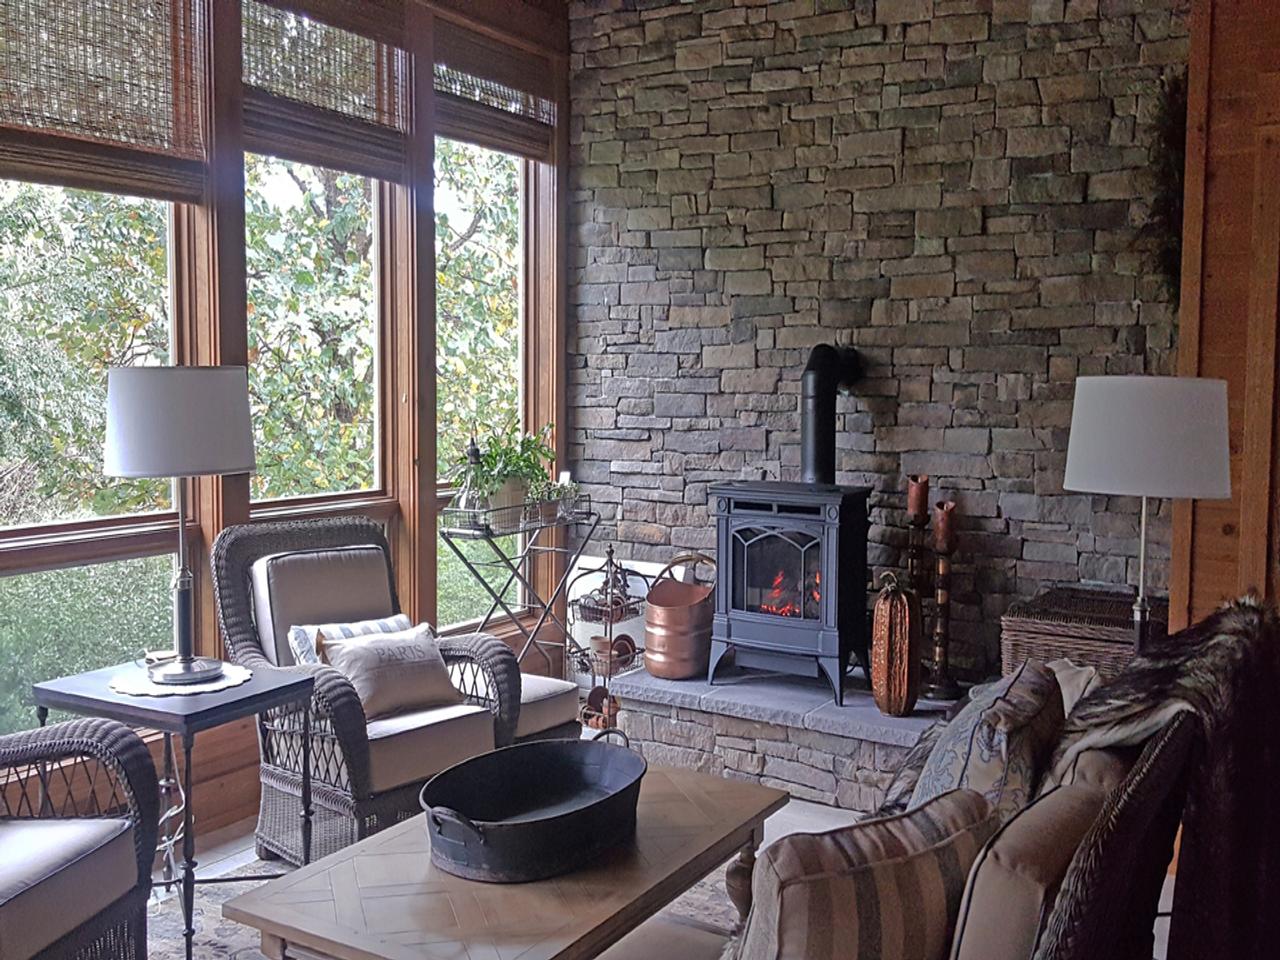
{"x":917,"y":520}
{"x":941,"y":685}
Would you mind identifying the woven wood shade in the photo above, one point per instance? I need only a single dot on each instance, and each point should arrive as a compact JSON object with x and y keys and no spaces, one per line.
{"x":493,"y":94}
{"x":97,"y":84}
{"x":322,"y":66}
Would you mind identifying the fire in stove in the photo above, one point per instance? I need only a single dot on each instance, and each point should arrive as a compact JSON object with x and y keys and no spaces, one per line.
{"x":783,"y":600}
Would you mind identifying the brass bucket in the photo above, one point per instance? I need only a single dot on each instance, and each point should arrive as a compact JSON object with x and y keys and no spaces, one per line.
{"x":677,"y":623}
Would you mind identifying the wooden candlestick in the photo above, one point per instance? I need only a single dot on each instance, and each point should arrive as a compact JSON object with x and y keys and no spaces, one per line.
{"x":940,"y":685}
{"x":915,"y":552}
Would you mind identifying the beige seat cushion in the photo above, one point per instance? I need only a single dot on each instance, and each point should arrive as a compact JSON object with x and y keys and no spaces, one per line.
{"x":317,"y":586}
{"x":999,"y":743}
{"x":545,"y":702}
{"x":1016,"y":877}
{"x":392,"y":673}
{"x":414,"y":746}
{"x":56,"y":874}
{"x":879,"y":890}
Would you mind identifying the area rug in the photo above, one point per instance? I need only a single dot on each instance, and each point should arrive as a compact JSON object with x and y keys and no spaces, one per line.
{"x":705,"y":904}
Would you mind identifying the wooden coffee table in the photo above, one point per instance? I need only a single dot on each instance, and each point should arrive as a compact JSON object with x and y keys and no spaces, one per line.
{"x":381,"y":899}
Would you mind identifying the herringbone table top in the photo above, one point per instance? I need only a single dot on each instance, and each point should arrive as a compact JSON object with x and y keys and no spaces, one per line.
{"x":381,"y":899}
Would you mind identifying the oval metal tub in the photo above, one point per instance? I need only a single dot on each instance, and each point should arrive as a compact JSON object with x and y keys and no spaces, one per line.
{"x":533,"y":810}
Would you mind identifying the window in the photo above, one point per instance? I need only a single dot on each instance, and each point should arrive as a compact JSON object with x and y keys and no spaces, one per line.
{"x":58,"y":622}
{"x":478,"y":326}
{"x":313,"y":328}
{"x":83,"y":286}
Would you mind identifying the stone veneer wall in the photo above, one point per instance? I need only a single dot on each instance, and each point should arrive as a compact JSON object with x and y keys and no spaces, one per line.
{"x":808,"y":764}
{"x":956,"y":187}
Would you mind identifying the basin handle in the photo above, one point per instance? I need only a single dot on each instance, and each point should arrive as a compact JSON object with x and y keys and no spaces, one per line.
{"x":614,"y":731}
{"x":441,"y":814}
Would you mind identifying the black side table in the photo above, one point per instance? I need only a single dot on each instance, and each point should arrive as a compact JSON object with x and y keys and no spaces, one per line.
{"x":185,"y":715}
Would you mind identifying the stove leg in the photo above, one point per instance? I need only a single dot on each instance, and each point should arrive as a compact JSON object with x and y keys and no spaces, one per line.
{"x":718,"y":649}
{"x":833,"y":669}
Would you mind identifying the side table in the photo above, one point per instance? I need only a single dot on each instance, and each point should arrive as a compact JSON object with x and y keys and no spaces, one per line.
{"x":185,"y":715}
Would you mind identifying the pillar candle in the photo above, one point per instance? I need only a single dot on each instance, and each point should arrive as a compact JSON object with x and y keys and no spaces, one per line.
{"x":918,"y":494}
{"x":944,"y":530}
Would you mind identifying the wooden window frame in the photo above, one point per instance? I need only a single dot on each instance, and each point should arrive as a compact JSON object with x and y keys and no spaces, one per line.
{"x":208,"y":297}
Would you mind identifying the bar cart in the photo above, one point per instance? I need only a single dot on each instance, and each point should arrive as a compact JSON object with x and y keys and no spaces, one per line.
{"x":535,"y":526}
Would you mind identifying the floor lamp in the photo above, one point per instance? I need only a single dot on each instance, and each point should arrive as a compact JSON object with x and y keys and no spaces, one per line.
{"x":1149,"y":437}
{"x":179,"y":422}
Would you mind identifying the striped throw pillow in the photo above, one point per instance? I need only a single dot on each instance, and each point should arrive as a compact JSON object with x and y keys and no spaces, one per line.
{"x":302,"y":639}
{"x":880,"y":890}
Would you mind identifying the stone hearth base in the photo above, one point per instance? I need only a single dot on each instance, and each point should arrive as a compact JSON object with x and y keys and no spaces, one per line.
{"x":784,"y":732}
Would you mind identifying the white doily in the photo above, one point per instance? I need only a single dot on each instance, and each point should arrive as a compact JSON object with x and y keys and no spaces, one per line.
{"x":136,"y":683}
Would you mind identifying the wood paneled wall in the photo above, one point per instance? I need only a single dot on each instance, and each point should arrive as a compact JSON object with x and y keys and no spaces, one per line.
{"x":1230,"y":278}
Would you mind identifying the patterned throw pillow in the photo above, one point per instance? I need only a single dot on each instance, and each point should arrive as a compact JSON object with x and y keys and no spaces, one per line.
{"x":999,"y":743}
{"x":302,"y":640}
{"x":897,"y":796}
{"x":392,"y":673}
{"x":879,"y":890}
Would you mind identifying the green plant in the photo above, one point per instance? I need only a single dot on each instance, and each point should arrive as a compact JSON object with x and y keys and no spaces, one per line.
{"x":509,"y":454}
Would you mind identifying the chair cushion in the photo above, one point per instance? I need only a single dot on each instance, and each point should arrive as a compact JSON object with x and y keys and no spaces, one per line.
{"x":413,"y":746}
{"x":1103,"y":768}
{"x":392,"y":673}
{"x":302,"y":638}
{"x":999,"y":743}
{"x":342,"y":585}
{"x":1075,"y":681}
{"x":879,"y":890}
{"x":56,"y":874}
{"x":545,"y":702}
{"x":1016,"y":877}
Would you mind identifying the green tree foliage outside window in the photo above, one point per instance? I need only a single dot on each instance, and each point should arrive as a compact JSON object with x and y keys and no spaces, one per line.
{"x":313,"y":328}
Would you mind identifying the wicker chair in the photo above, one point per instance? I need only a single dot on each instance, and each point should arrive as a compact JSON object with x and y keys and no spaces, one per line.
{"x":347,"y":806}
{"x":79,"y":810}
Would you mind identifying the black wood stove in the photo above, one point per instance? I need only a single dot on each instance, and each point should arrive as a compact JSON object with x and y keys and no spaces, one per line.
{"x":791,"y":595}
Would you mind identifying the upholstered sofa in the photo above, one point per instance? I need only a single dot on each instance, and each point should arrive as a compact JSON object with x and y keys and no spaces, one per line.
{"x":366,"y":773}
{"x":78,"y":823}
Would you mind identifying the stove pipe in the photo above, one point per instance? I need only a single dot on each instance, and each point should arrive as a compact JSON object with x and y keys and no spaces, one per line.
{"x":830,"y":368}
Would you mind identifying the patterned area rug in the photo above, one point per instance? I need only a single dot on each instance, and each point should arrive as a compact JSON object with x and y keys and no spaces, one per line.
{"x":217,"y":939}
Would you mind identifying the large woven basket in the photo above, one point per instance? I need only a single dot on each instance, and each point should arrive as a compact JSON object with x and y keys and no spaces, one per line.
{"x":1089,"y":627}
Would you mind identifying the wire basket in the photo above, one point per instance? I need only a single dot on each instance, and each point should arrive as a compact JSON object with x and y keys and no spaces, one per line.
{"x":517,"y":518}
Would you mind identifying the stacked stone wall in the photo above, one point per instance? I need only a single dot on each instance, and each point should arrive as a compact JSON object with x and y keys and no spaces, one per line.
{"x":958,"y":188}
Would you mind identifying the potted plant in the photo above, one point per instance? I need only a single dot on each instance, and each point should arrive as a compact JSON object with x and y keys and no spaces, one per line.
{"x":509,"y":466}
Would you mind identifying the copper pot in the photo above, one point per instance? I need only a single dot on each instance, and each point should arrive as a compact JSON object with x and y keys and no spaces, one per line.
{"x":677,"y":623}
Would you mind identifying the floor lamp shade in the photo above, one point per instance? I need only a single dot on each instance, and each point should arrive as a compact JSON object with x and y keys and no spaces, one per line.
{"x":178,"y":422}
{"x":1162,"y":437}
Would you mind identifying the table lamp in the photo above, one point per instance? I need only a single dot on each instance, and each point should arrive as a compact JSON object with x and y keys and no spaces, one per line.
{"x":179,"y":422}
{"x":1162,"y":437}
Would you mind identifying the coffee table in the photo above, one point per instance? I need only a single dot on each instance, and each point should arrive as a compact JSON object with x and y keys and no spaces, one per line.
{"x":381,"y":899}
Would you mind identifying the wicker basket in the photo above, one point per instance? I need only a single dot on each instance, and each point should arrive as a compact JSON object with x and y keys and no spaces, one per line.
{"x":1090,"y":627}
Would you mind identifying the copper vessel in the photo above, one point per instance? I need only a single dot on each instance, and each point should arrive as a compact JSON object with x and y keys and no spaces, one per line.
{"x":677,"y":623}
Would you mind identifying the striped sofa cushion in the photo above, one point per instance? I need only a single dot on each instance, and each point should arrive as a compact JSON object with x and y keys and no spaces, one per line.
{"x":880,"y":890}
{"x":302,"y":639}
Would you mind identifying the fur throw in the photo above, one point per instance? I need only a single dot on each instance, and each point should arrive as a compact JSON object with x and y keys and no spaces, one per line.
{"x":1226,"y":670}
{"x":1183,"y":672}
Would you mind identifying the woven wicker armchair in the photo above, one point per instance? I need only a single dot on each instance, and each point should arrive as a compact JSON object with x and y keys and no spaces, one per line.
{"x":79,"y":810}
{"x":346,"y":806}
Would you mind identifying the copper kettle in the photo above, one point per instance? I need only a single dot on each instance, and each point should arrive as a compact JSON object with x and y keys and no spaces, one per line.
{"x":677,"y":622}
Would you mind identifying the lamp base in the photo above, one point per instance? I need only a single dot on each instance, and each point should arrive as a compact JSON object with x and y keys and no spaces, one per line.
{"x":180,"y":671}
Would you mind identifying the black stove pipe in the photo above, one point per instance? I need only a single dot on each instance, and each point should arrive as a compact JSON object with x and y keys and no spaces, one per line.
{"x":830,"y":368}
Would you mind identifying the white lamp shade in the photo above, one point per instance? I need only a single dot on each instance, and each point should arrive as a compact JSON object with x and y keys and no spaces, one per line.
{"x":178,"y":422}
{"x":1163,"y":437}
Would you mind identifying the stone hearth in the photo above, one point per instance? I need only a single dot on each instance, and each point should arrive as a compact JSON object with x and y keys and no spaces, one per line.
{"x":781,"y":731}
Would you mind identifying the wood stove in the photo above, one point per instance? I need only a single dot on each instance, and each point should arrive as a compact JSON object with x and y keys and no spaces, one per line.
{"x":791,"y":595}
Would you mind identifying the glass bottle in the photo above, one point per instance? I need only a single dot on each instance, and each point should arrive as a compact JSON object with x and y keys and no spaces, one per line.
{"x":471,"y":497}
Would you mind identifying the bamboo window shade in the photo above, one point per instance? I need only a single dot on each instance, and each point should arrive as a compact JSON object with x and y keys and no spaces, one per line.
{"x":493,"y":94}
{"x":323,"y":94}
{"x":106,"y":94}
